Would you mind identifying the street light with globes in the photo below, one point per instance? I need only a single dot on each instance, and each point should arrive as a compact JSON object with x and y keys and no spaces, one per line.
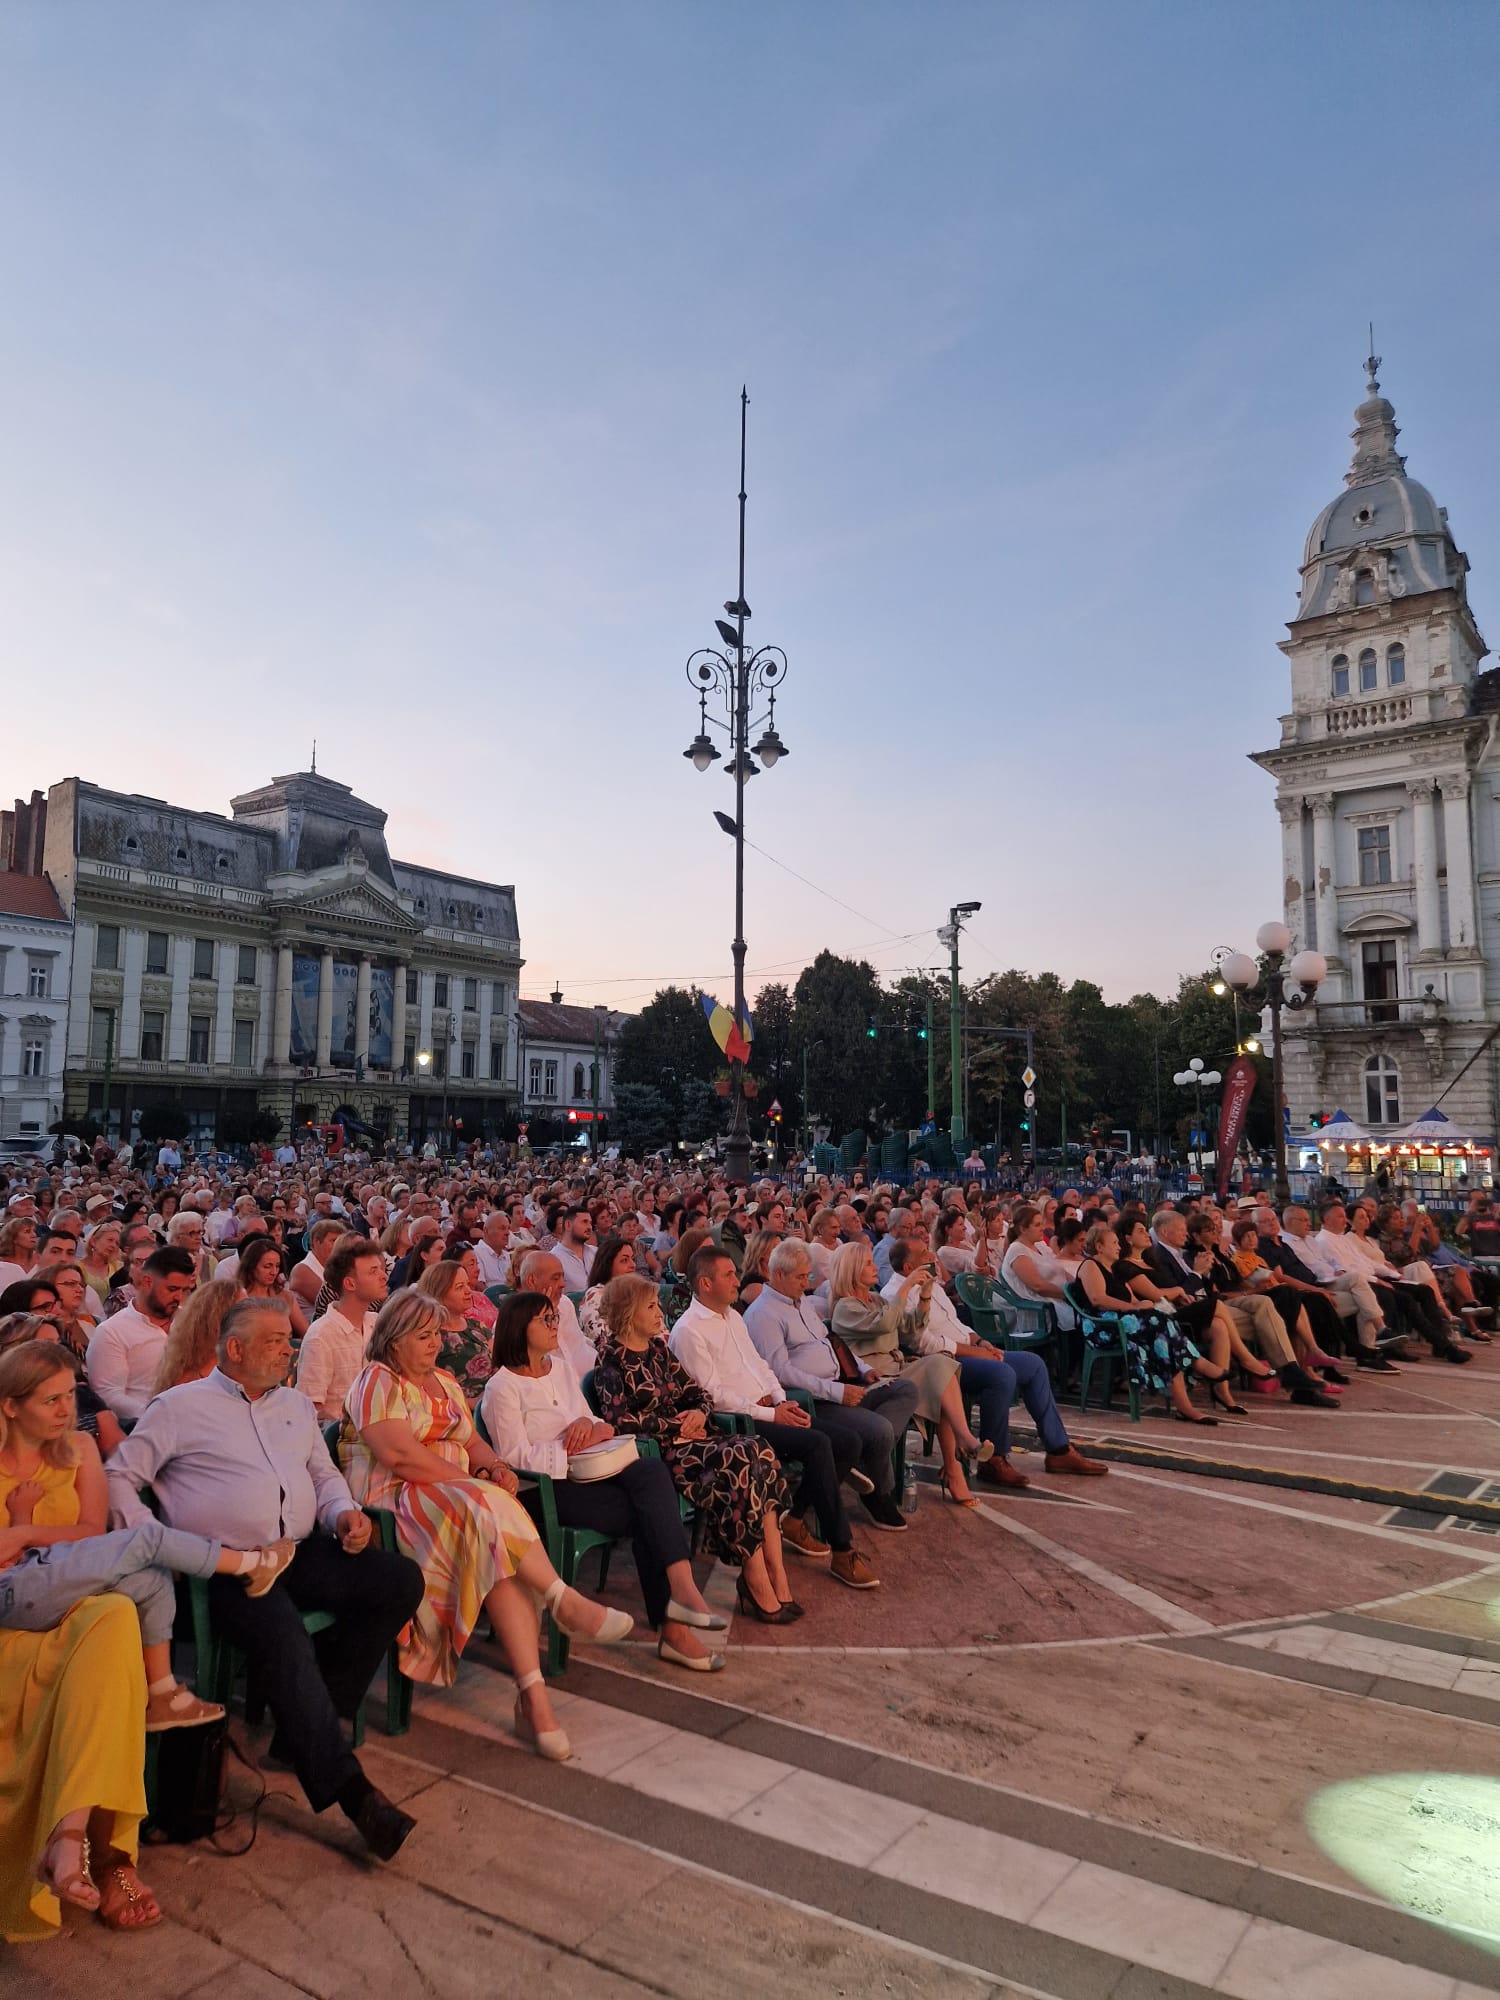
{"x":1295,"y":986}
{"x":1197,"y":1079}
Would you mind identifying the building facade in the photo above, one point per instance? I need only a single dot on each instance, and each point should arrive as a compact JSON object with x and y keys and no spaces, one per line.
{"x":278,"y":960}
{"x":1387,"y":788}
{"x":36,"y":946}
{"x":559,"y":1046}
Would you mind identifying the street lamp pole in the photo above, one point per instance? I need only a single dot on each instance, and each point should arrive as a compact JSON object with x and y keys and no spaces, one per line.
{"x":950,"y":936}
{"x":737,"y":678}
{"x":1306,"y":972}
{"x":1197,"y":1078}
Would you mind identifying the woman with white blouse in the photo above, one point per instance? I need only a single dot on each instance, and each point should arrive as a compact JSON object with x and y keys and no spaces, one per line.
{"x":538,"y":1422}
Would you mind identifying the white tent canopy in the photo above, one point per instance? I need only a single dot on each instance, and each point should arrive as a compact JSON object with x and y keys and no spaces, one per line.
{"x":1435,"y":1129}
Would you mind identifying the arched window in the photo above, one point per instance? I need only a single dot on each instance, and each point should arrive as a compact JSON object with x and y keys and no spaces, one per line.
{"x":1364,"y":586}
{"x":1340,"y":674}
{"x":1382,"y":1091}
{"x":1395,"y":666}
{"x":1368,"y":675}
{"x":578,"y":1080}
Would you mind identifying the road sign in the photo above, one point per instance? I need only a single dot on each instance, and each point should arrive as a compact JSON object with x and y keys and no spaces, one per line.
{"x":1029,"y":1099}
{"x":1028,"y":1076}
{"x":1197,"y":1138}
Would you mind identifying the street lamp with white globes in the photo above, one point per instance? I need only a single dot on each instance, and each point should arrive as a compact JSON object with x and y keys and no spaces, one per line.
{"x":1197,"y":1079}
{"x":1295,"y":986}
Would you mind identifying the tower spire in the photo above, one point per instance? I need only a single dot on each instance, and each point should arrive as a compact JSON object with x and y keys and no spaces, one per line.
{"x":315,"y":757}
{"x":1375,"y":431}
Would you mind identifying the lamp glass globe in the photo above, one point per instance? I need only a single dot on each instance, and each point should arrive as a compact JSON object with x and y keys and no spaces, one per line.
{"x":1241,"y":971}
{"x":1309,"y":968}
{"x":1273,"y":938}
{"x":1195,"y":1062}
{"x":1210,"y":1076}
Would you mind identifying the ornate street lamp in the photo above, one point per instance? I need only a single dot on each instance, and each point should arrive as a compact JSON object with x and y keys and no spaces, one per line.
{"x":1306,"y":974}
{"x":735,"y":678}
{"x":1197,"y":1079}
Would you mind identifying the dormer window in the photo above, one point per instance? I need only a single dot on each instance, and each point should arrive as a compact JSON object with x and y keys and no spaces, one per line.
{"x":180,"y":856}
{"x":1364,"y":586}
{"x":221,"y":862}
{"x":131,"y":846}
{"x":1369,"y":677}
{"x":453,"y":913}
{"x":419,"y":907}
{"x":1364,"y":516}
{"x":1395,"y":666}
{"x":1340,"y":674}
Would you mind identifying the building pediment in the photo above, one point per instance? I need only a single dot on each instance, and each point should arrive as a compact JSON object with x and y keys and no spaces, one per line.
{"x":342,"y":895}
{"x":1377,"y":923}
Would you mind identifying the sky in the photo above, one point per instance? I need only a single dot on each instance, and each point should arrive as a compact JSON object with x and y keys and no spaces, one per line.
{"x":370,"y":373}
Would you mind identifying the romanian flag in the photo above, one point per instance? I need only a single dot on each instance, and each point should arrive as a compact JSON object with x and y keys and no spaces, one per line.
{"x":734,"y":1041}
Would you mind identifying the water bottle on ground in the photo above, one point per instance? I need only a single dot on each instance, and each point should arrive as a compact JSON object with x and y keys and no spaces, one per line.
{"x":909,"y":1489}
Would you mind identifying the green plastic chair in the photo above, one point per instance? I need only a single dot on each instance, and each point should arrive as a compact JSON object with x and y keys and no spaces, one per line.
{"x":1110,"y":1356}
{"x":398,"y":1688}
{"x":217,"y":1664}
{"x":496,"y":1293}
{"x":1024,"y":1323}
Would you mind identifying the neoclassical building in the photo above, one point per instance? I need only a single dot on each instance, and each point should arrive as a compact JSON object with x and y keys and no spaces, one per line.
{"x":278,"y":959}
{"x":1387,"y":785}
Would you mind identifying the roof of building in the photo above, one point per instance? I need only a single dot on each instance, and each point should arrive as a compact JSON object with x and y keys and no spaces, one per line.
{"x":544,"y":1022}
{"x":29,"y":896}
{"x":1383,"y":515}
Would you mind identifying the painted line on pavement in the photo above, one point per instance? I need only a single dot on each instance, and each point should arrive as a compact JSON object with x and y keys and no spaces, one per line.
{"x":1162,"y":1609}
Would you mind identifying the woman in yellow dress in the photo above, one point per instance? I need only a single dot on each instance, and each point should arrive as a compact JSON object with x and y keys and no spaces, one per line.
{"x":71,"y":1800}
{"x":409,"y":1444}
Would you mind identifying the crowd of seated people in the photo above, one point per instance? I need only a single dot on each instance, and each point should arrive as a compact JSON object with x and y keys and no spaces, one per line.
{"x":650,"y":1354}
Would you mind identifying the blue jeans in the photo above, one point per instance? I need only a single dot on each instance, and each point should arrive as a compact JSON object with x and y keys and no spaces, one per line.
{"x":993,"y":1385}
{"x":43,"y":1587}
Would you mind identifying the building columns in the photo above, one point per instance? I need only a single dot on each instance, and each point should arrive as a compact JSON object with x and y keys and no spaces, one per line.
{"x":1463,"y":930}
{"x":1293,"y":891}
{"x":1424,"y":860}
{"x":398,"y":1017}
{"x":362,"y":1013}
{"x":281,"y":1018}
{"x":1325,"y":876}
{"x":325,"y":1010}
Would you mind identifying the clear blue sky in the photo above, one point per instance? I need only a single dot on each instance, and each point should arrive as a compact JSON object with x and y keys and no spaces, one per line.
{"x":370,"y":372}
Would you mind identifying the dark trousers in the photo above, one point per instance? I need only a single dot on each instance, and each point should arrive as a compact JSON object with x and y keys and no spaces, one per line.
{"x":994,"y":1386}
{"x":865,"y":1433}
{"x":1327,"y":1328}
{"x":640,"y":1502}
{"x":824,"y":1458}
{"x":310,"y":1682}
{"x":1413,"y":1309}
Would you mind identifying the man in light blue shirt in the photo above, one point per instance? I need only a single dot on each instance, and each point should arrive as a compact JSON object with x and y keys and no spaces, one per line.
{"x":237,"y":1448}
{"x":862,"y":1413}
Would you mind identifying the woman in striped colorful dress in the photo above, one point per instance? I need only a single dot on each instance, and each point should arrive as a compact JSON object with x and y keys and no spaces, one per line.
{"x":408,"y":1443}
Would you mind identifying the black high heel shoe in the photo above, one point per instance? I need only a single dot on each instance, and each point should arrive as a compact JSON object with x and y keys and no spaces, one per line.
{"x":745,"y":1598}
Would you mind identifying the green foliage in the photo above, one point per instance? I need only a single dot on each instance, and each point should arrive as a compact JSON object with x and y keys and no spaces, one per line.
{"x":642,"y":1120}
{"x":159,"y":1122}
{"x":247,"y":1128}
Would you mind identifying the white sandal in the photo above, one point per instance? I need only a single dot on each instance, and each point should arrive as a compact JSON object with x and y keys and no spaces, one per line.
{"x":617,"y":1625}
{"x":549,"y":1743}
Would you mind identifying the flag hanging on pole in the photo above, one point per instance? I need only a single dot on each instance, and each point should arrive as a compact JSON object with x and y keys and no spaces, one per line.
{"x":733,"y":1040}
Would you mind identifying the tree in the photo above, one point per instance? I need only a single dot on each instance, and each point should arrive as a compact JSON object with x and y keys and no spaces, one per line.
{"x":835,"y":1003}
{"x":771,"y":1051}
{"x":642,"y":1119}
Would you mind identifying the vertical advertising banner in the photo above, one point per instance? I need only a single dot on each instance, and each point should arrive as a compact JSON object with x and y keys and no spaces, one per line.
{"x":345,"y":1011}
{"x":382,"y":1015}
{"x":305,"y":975}
{"x":1234,"y":1109}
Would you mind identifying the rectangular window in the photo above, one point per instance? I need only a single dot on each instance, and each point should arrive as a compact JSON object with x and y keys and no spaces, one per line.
{"x":413,"y":988}
{"x":1378,"y":960}
{"x":534,"y":1077}
{"x":153,"y":1034}
{"x":244,"y":1045}
{"x":203,"y":958}
{"x":107,"y":948}
{"x":245,"y":974}
{"x":1374,"y":856}
{"x":101,"y":1034}
{"x":200,"y":1034}
{"x":1364,"y":586}
{"x":471,"y":996}
{"x":156,"y":951}
{"x":497,"y":997}
{"x":466,"y":1060}
{"x":440,"y":990}
{"x":439,"y":1061}
{"x":409,"y":1054}
{"x":32,"y":1055}
{"x":497,"y":1062}
{"x":549,"y":1088}
{"x":38,"y":978}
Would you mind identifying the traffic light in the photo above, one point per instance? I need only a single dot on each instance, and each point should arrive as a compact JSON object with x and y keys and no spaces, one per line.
{"x":1317,"y":1118}
{"x":870,"y":1029}
{"x":1025,"y":1124}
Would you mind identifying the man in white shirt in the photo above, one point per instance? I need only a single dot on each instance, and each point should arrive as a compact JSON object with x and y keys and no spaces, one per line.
{"x":333,"y":1348}
{"x":125,"y":1351}
{"x":1415,"y":1303}
{"x":711,"y":1343}
{"x":575,"y":1248}
{"x":308,"y":1278}
{"x":492,"y":1251}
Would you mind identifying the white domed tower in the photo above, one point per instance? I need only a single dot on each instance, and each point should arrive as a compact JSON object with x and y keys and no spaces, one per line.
{"x":1390,"y":844}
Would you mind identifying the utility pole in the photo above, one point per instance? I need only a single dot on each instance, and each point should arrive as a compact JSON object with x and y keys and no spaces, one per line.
{"x":931,"y":1061}
{"x":594,"y":1093}
{"x":950,"y":937}
{"x":109,"y":1059}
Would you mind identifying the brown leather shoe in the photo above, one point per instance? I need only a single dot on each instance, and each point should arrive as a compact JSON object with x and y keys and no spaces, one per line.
{"x":1000,"y":1472}
{"x":850,"y":1567}
{"x":800,"y":1539}
{"x":1073,"y":1460}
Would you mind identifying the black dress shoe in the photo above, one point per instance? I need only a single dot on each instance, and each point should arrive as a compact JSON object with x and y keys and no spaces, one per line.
{"x":382,"y":1825}
{"x":1453,"y":1352}
{"x":1377,"y":1363}
{"x":884,"y":1513}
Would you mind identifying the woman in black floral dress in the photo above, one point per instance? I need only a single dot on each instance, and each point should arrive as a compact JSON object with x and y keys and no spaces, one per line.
{"x":1158,"y":1352}
{"x":737,"y":1484}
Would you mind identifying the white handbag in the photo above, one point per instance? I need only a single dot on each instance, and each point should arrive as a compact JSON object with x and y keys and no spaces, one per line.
{"x":602,"y":1461}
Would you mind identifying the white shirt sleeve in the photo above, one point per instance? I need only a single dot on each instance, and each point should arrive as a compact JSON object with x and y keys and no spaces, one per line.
{"x":510,"y":1417}
{"x":108,"y":1369}
{"x":315,"y":1365}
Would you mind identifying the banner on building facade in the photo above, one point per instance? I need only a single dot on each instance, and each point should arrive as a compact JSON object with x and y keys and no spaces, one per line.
{"x":382,"y":1015}
{"x":305,"y":976}
{"x":1234,"y":1109}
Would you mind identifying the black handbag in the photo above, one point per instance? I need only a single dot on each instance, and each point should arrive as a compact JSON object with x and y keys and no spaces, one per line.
{"x":185,"y":1795}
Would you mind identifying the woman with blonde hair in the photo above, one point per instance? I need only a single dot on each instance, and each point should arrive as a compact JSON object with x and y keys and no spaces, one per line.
{"x":875,"y":1329}
{"x":192,"y":1343}
{"x":408,"y":1443}
{"x":76,"y":1314}
{"x":99,"y":1259}
{"x":753,"y":1270}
